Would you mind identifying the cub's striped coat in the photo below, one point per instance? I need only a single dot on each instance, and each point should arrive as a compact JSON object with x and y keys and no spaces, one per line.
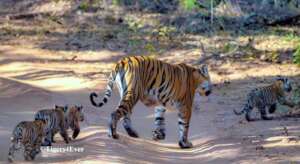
{"x":267,"y":96}
{"x":60,"y":120}
{"x":30,"y":135}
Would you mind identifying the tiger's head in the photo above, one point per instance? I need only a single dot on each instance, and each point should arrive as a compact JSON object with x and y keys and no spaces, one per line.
{"x":77,"y":112}
{"x":201,"y":75}
{"x":284,"y":83}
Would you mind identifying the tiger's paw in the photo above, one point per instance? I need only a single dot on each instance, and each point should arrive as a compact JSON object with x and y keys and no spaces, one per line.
{"x":28,"y":157}
{"x":132,"y":133}
{"x":113,"y":135}
{"x":158,"y":134}
{"x":185,"y":145}
{"x":46,"y":143}
{"x":10,"y":159}
{"x":267,"y":118}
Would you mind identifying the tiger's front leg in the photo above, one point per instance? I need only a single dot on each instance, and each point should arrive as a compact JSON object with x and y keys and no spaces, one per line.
{"x":47,"y":141}
{"x":124,"y":108}
{"x":184,"y":117}
{"x":64,"y":134}
{"x":159,"y":131}
{"x":128,"y":127}
{"x":263,"y":114}
{"x":36,"y":147}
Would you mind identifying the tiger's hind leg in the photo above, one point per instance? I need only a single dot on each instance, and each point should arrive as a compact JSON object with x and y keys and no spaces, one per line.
{"x":248,"y":110}
{"x":159,"y":131}
{"x":128,"y":127}
{"x":263,"y":114}
{"x":13,"y":147}
{"x":28,"y":149}
{"x":36,"y":147}
{"x":124,"y":108}
{"x":64,"y":134}
{"x":272,"y":108}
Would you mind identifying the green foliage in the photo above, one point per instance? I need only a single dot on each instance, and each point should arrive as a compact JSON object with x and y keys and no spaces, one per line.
{"x":228,"y":47}
{"x":84,"y":6}
{"x":164,"y":32}
{"x":296,"y":56}
{"x":195,"y":4}
{"x":189,"y":4}
{"x":292,"y":37}
{"x":150,"y":48}
{"x":115,"y":2}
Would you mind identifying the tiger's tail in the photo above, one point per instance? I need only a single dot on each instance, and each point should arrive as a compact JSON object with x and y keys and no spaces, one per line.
{"x":108,"y":92}
{"x":238,"y":112}
{"x":245,"y":109}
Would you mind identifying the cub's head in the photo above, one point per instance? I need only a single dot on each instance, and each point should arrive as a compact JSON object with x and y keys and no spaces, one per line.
{"x":62,"y":108}
{"x":284,"y":83}
{"x":203,"y":79}
{"x":77,"y":112}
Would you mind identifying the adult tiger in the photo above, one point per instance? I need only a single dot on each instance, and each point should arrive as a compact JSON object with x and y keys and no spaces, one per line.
{"x":60,"y":120}
{"x":267,"y":96}
{"x":30,"y":135}
{"x":155,"y":83}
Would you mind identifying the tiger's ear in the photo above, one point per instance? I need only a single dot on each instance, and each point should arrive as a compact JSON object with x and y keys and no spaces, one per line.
{"x":278,"y":77}
{"x":203,"y":70}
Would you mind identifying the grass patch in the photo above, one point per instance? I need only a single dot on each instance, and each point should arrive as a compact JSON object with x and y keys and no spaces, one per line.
{"x":296,"y":55}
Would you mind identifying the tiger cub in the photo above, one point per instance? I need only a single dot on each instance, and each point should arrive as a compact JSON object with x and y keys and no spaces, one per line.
{"x":74,"y":115}
{"x":30,"y":135}
{"x":267,"y":96}
{"x":60,"y":120}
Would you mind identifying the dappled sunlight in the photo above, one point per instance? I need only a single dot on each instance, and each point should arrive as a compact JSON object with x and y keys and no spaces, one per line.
{"x":66,"y":50}
{"x":61,"y":84}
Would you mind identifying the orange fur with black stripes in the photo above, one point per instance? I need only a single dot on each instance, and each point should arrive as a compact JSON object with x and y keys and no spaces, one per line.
{"x":159,"y":84}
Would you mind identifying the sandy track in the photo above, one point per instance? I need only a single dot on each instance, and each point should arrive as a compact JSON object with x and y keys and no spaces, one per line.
{"x":218,"y":136}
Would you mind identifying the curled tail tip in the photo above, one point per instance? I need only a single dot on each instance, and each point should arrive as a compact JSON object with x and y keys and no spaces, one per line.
{"x":92,"y":96}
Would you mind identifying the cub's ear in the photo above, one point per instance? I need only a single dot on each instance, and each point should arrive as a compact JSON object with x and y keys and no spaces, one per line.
{"x":79,"y":108}
{"x":66,"y":108}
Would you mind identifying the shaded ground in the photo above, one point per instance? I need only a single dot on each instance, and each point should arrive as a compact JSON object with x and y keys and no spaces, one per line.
{"x":43,"y":62}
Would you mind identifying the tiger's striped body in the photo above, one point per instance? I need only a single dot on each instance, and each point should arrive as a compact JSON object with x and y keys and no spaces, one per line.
{"x":267,"y":96}
{"x":30,"y":135}
{"x":60,"y":120}
{"x":159,"y":84}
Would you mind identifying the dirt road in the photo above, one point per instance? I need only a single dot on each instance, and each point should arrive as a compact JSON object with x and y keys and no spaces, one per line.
{"x":30,"y":81}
